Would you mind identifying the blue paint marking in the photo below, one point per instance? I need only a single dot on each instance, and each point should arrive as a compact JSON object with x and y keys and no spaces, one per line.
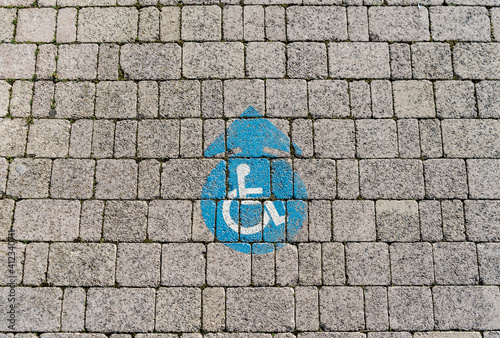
{"x":254,"y":202}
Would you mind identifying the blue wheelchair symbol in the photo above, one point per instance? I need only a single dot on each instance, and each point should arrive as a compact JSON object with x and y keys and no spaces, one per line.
{"x":253,"y":202}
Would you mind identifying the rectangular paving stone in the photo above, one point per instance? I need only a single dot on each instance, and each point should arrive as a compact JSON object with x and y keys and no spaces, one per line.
{"x":201,"y":23}
{"x":400,"y":61}
{"x":183,"y":264}
{"x":43,"y":96}
{"x":477,"y":61}
{"x":353,"y":221}
{"x":408,"y":138}
{"x":453,"y":311}
{"x":447,"y":334}
{"x":431,"y":60}
{"x":483,"y":220}
{"x":455,"y":99}
{"x":47,"y":220}
{"x":413,"y":99}
{"x":73,"y":309}
{"x":489,"y":262}
{"x":411,"y":264}
{"x":471,"y":138}
{"x":431,"y":144}
{"x":287,"y":270}
{"x":243,"y":306}
{"x":66,"y":25}
{"x":397,"y":221}
{"x":275,"y":23}
{"x":398,"y":23}
{"x":232,"y":24}
{"x":211,"y":99}
{"x":483,"y":178}
{"x":46,"y":61}
{"x":376,"y":138}
{"x":78,"y":61}
{"x":170,"y":17}
{"x":460,"y":23}
{"x":286,"y":98}
{"x":178,"y":310}
{"x":36,"y":25}
{"x":341,"y":308}
{"x":431,"y":226}
{"x":125,"y":221}
{"x":74,"y":99}
{"x":360,"y":97}
{"x":455,"y":263}
{"x":147,"y":101}
{"x":103,"y":137}
{"x":29,"y":178}
{"x":6,"y":213}
{"x":82,"y":264}
{"x":125,"y":138}
{"x":227,"y":267}
{"x":158,"y":138}
{"x":333,"y":262}
{"x":72,"y":179}
{"x":116,"y":99}
{"x":410,"y":308}
{"x":148,"y":186}
{"x":331,"y":335}
{"x":263,"y":268}
{"x":116,"y":179}
{"x":488,"y":99}
{"x":40,"y":309}
{"x":318,"y":176}
{"x":101,"y":24}
{"x":180,"y":98}
{"x":306,"y":308}
{"x":4,"y":166}
{"x":149,"y":24}
{"x":320,"y":221}
{"x":152,"y":61}
{"x":91,"y":220}
{"x":138,"y":264}
{"x":307,"y":60}
{"x":310,"y":264}
{"x":253,"y":23}
{"x":120,"y":310}
{"x":7,"y":26}
{"x":334,"y":138}
{"x":445,"y":178}
{"x":184,"y":178}
{"x":239,"y":94}
{"x":17,"y":61}
{"x":213,"y":60}
{"x":391,"y":178}
{"x":169,"y":221}
{"x":214,"y":309}
{"x":20,"y":102}
{"x":12,"y":271}
{"x":359,"y":60}
{"x":381,"y":99}
{"x":347,"y":179}
{"x":376,"y":309}
{"x":328,"y":98}
{"x":358,"y":23}
{"x":35,"y":263}
{"x":316,"y":23}
{"x":109,"y":55}
{"x":453,"y":220}
{"x":80,"y":144}
{"x":367,"y":264}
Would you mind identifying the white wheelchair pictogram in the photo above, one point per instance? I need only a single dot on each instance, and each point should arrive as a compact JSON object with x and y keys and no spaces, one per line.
{"x":242,"y":191}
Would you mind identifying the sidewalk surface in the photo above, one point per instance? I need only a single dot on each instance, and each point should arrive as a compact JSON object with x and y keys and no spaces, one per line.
{"x":358,"y":198}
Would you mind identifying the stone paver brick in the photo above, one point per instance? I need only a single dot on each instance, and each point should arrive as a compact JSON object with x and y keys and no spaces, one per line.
{"x":201,"y":23}
{"x":341,"y":308}
{"x":328,"y":98}
{"x":35,"y":263}
{"x":47,"y":220}
{"x":46,"y":62}
{"x":4,"y":167}
{"x":310,"y":264}
{"x":286,"y":98}
{"x":358,"y":60}
{"x":347,"y":179}
{"x":431,"y":227}
{"x":149,"y":24}
{"x":116,"y":99}
{"x":36,"y":25}
{"x":12,"y":271}
{"x":307,"y":60}
{"x":170,"y":23}
{"x":184,"y":178}
{"x":6,"y":213}
{"x":17,"y":61}
{"x":116,"y":179}
{"x":109,"y":55}
{"x":178,"y":310}
{"x":275,"y":23}
{"x":103,"y":138}
{"x":431,"y":144}
{"x":265,"y":60}
{"x":152,"y":61}
{"x":453,"y":220}
{"x":82,"y":264}
{"x":445,"y":178}
{"x":239,"y":94}
{"x":213,"y":60}
{"x":306,"y":308}
{"x":214,"y":309}
{"x":183,"y":264}
{"x":227,"y":267}
{"x":7,"y":26}
{"x":453,"y":310}
{"x":29,"y":178}
{"x":148,"y":186}
{"x":319,"y":177}
{"x":471,"y":138}
{"x":287,"y":265}
{"x":40,"y":308}
{"x":431,"y":60}
{"x":389,"y":23}
{"x":334,"y":138}
{"x":455,"y":263}
{"x":125,"y":138}
{"x":397,"y":221}
{"x":320,"y":221}
{"x":488,"y":99}
{"x":78,"y":61}
{"x":147,"y":101}
{"x":333,"y":261}
{"x":450,"y":334}
{"x":312,"y":23}
{"x":66,"y":25}
{"x":455,"y":99}
{"x":460,"y":23}
{"x":353,"y":221}
{"x":101,"y":24}
{"x":43,"y":96}
{"x":244,"y":306}
{"x":180,"y":98}
{"x":413,"y":99}
{"x":72,"y":178}
{"x":125,"y":221}
{"x":483,"y":178}
{"x":253,"y":23}
{"x":73,"y":310}
{"x":120,"y":310}
{"x":408,"y":138}
{"x":138,"y":264}
{"x":367,"y":264}
{"x":233,"y":23}
{"x":391,"y":178}
{"x":358,"y":23}
{"x":91,"y":220}
{"x":20,"y":102}
{"x":477,"y":61}
{"x":489,"y":262}
{"x":411,"y":264}
{"x":410,"y":308}
{"x":381,"y":93}
{"x":360,"y":96}
{"x":376,"y":138}
{"x":495,"y":23}
{"x":376,"y":308}
{"x":169,"y":221}
{"x":211,"y":98}
{"x":263,"y":269}
{"x":158,"y":138}
{"x":400,"y":61}
{"x":74,"y":99}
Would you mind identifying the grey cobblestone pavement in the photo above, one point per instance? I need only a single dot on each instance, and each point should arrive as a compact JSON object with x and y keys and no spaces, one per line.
{"x":107,"y":109}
